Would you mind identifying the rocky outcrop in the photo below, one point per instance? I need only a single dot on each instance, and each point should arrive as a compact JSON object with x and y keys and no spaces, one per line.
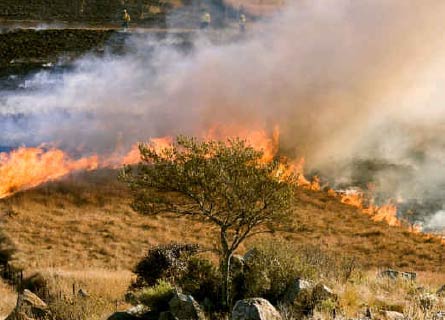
{"x":394,"y":274}
{"x":184,"y":307}
{"x":295,"y":288}
{"x":29,"y":307}
{"x":255,"y":309}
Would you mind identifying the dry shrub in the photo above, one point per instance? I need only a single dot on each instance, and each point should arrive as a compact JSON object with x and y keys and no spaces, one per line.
{"x":8,"y":299}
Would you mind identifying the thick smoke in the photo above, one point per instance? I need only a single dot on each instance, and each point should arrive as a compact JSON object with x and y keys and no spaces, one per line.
{"x":355,"y":86}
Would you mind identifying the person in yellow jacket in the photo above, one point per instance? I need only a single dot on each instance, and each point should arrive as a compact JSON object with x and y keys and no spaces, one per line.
{"x":242,"y":22}
{"x":206,"y":20}
{"x":125,"y":19}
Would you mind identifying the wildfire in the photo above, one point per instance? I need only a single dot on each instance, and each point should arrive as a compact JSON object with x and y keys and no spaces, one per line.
{"x":28,"y":167}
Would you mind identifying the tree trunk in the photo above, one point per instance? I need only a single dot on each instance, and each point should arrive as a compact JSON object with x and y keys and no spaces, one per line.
{"x":226,"y":256}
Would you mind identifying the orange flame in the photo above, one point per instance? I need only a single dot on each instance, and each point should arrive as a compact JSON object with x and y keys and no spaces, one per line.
{"x":28,"y":167}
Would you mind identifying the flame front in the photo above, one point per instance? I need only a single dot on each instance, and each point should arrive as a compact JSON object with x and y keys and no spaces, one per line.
{"x":28,"y":167}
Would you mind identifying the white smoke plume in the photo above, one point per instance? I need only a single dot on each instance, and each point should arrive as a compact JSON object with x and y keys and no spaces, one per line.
{"x":355,"y":86}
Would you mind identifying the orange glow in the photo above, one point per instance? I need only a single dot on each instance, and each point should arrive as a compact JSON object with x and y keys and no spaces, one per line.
{"x":387,"y":213}
{"x":28,"y":167}
{"x":258,"y":139}
{"x":25,"y":168}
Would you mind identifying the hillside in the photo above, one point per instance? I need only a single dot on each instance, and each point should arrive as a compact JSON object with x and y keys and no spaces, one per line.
{"x":85,"y":221}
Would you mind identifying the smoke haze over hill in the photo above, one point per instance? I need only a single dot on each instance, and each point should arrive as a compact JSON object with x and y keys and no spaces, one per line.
{"x":355,"y":86}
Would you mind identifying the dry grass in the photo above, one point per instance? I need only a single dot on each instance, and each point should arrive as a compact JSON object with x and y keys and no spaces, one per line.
{"x":8,"y":299}
{"x":86,"y":222}
{"x":381,"y":293}
{"x":82,"y":231}
{"x":105,"y":289}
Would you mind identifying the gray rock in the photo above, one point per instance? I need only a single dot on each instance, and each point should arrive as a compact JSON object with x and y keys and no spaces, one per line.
{"x":441,"y":291}
{"x":184,"y":307}
{"x":82,"y":293}
{"x":133,"y":313}
{"x":392,"y":315}
{"x":30,"y":306}
{"x":412,"y":276}
{"x":295,"y":288}
{"x":323,"y":293}
{"x":394,"y":275}
{"x":255,"y":309}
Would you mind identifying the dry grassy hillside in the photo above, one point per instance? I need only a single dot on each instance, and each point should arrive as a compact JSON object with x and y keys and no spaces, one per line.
{"x":85,"y":221}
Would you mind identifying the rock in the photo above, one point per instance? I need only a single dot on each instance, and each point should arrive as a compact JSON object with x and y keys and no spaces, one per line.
{"x":412,"y":276}
{"x":394,"y":275}
{"x":439,"y":315}
{"x":441,"y":291}
{"x":122,"y":316}
{"x":255,"y":309}
{"x":322,"y":293}
{"x":295,"y":288}
{"x":29,"y":306}
{"x":133,"y":313}
{"x":184,"y":307}
{"x":167,"y":315}
{"x":137,"y":310}
{"x":250,"y":255}
{"x":392,"y":315}
{"x":82,"y":293}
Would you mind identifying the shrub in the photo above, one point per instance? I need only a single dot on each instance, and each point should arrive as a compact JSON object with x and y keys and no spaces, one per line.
{"x":156,"y":297}
{"x":203,"y":281}
{"x":270,"y":269}
{"x":166,"y":262}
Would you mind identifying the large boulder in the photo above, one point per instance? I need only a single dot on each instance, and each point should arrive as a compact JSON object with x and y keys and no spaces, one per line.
{"x":184,"y":307}
{"x":134,"y":313}
{"x":30,"y":306}
{"x":296,"y":288}
{"x":255,"y":309}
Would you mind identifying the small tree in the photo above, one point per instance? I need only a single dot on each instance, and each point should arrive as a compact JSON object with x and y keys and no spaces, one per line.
{"x":224,"y":183}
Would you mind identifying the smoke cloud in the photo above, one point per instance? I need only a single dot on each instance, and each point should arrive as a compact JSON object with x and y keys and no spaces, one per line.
{"x":355,"y":86}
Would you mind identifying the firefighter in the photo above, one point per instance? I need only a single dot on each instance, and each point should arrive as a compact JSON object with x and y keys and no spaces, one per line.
{"x":206,"y":20}
{"x":125,"y":19}
{"x":242,"y":22}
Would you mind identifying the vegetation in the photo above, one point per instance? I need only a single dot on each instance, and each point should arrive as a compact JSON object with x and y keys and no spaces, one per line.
{"x":156,"y":297}
{"x":223,"y":183}
{"x":166,"y":262}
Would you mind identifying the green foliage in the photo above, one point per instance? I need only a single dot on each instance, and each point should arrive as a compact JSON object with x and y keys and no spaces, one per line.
{"x":270,"y":269}
{"x":225,"y":183}
{"x":156,"y":297}
{"x":203,"y":281}
{"x":163,"y":262}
